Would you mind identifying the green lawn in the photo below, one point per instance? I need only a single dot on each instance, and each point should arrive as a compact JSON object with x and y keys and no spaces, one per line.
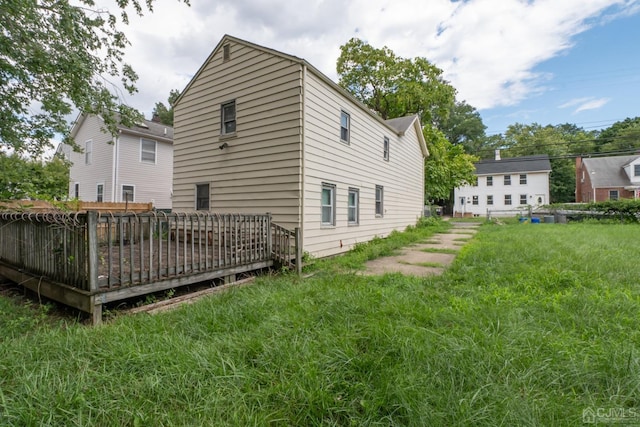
{"x":533,"y":324}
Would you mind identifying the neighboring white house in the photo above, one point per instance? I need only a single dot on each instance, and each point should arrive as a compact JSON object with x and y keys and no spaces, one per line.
{"x":257,"y":130}
{"x":136,"y":166}
{"x":504,"y":186}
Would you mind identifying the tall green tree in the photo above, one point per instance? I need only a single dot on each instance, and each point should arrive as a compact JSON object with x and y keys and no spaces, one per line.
{"x":56,"y":56}
{"x":26,"y":178}
{"x":394,"y":87}
{"x":447,"y":167}
{"x":620,"y":138}
{"x":164,"y":113}
{"x":462,"y":125}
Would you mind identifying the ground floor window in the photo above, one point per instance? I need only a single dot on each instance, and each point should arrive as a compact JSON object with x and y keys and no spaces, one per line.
{"x":489,"y":200}
{"x":379,"y":200}
{"x":613,"y":195}
{"x":523,"y":199}
{"x":202,"y":197}
{"x":100,"y":193}
{"x":76,"y":190}
{"x":328,"y":204}
{"x":474,"y":200}
{"x":353,"y":207}
{"x":128,"y":193}
{"x":507,"y":199}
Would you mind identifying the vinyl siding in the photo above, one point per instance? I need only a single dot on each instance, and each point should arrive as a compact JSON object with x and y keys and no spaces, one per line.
{"x":152,"y":181}
{"x":100,"y":169}
{"x":358,"y":165}
{"x":259,"y":170}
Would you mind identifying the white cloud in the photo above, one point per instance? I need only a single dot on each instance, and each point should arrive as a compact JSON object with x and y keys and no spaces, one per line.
{"x":488,"y":49}
{"x":594,"y":104}
{"x":585,"y":103}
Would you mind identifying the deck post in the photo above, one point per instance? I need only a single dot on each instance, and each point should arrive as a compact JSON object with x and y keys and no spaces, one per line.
{"x":92,"y":242}
{"x":269,"y":237}
{"x":298,"y":241}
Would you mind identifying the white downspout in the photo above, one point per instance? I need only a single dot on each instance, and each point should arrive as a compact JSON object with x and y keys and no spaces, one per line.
{"x":114,"y":169}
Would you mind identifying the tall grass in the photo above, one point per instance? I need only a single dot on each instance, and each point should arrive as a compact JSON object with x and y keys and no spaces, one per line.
{"x":531,"y":325}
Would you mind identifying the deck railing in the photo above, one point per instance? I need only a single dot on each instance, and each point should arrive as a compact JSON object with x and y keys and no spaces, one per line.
{"x":96,"y":252}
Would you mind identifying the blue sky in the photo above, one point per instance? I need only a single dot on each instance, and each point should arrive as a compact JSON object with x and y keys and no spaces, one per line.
{"x":593,"y":84}
{"x":516,"y":61}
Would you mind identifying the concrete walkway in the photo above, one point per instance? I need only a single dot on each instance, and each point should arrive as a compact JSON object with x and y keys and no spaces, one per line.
{"x":430,"y":257}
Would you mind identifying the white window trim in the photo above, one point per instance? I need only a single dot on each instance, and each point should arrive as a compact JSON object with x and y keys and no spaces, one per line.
{"x":195,"y":199}
{"x":381,"y":213}
{"x":523,"y":196}
{"x":155,"y":151}
{"x":489,"y":199}
{"x":386,"y":148}
{"x":332,"y":188}
{"x":122,"y":199}
{"x":504,"y":180}
{"x":489,"y":179}
{"x":355,"y":191}
{"x":348,"y":116}
{"x":510,"y":200}
{"x":97,"y":193}
{"x":223,"y":121}
{"x":617,"y":194}
{"x":88,"y":152}
{"x":525,"y":179}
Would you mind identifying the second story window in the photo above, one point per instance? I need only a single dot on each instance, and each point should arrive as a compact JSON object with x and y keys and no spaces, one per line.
{"x":385,"y":148}
{"x":345,"y":127}
{"x":489,"y":181}
{"x":523,"y":178}
{"x":507,"y":180}
{"x":228,"y":118}
{"x":147,"y":150}
{"x":636,"y":170}
{"x":88,"y":152}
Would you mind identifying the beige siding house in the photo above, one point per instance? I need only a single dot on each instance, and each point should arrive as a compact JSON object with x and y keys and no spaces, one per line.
{"x":257,"y":130}
{"x":137,"y":164}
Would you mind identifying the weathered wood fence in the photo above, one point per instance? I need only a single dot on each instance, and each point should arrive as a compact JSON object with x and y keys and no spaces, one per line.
{"x":110,"y":257}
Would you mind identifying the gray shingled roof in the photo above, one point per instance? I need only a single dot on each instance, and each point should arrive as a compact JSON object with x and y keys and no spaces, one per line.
{"x":401,"y":124}
{"x":608,"y":171}
{"x":149,"y":128}
{"x":539,"y":163}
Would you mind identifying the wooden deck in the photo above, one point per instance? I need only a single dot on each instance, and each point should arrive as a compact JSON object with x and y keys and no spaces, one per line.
{"x":86,"y":259}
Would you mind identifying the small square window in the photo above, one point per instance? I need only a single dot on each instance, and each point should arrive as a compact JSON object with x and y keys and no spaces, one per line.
{"x":523,"y":179}
{"x":345,"y":126}
{"x":489,"y":181}
{"x":523,"y":199}
{"x":353,"y":207}
{"x":100,"y":193}
{"x":636,"y":170}
{"x":147,"y":150}
{"x":507,"y":180}
{"x":202,"y":197}
{"x":385,"y":148}
{"x":328,"y":204}
{"x":507,"y":199}
{"x":613,"y":195}
{"x":228,"y":118}
{"x":475,"y":200}
{"x":379,"y":200}
{"x":489,"y":200}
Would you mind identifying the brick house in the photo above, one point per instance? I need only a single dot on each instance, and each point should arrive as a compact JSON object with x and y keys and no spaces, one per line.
{"x":607,"y":178}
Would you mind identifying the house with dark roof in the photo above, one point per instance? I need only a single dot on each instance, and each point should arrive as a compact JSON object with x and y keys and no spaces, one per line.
{"x":505,"y":185}
{"x":258,"y":130}
{"x":135,"y":166}
{"x":607,"y":178}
